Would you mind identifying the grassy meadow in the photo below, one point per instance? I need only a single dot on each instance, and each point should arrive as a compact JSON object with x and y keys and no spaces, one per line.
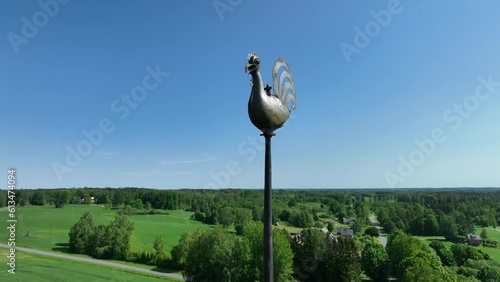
{"x":31,"y":267}
{"x":493,"y":252}
{"x":492,"y":233}
{"x":289,"y":227}
{"x":49,"y":226}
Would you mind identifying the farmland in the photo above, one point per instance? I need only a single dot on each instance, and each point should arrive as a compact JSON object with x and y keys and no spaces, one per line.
{"x":49,"y":226}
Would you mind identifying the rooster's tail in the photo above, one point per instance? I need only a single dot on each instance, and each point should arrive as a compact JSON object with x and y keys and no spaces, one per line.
{"x":283,"y":84}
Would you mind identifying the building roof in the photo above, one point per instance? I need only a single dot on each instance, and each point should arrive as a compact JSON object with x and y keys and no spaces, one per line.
{"x":473,"y":237}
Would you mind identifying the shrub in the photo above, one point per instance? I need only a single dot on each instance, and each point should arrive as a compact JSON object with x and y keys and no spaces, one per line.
{"x":492,"y":243}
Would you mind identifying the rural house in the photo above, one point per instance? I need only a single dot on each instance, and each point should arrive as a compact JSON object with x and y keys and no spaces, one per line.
{"x":345,"y":232}
{"x":474,"y":240}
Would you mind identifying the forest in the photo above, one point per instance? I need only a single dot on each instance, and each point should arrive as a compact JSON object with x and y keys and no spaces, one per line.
{"x":426,"y":232}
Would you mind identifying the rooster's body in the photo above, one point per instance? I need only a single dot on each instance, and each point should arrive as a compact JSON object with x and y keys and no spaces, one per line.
{"x":267,"y":111}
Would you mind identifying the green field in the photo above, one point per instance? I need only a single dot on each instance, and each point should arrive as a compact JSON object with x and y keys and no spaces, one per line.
{"x":293,"y":229}
{"x":49,"y":226}
{"x":290,"y":228}
{"x":428,"y":239}
{"x":493,"y":252}
{"x":493,"y":233}
{"x":30,"y":267}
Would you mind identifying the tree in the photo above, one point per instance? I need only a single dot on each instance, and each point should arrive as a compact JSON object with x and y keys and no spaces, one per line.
{"x":483,"y":220}
{"x":158,"y":246}
{"x":225,"y":216}
{"x":22,"y":197}
{"x":210,"y":257}
{"x":61,"y":198}
{"x":423,"y":267}
{"x":179,"y":252}
{"x":343,"y":263}
{"x":137,"y":203}
{"x":302,"y":219}
{"x":100,"y":242}
{"x":447,"y":227}
{"x":431,"y":225}
{"x":282,"y":255}
{"x":218,"y":255}
{"x":75,"y":200}
{"x":462,"y":253}
{"x":81,"y":233}
{"x":374,"y":260}
{"x":443,"y":253}
{"x":330,"y":227}
{"x":118,"y":198}
{"x":120,"y":231}
{"x":484,"y":270}
{"x":87,"y":200}
{"x":372,"y":231}
{"x":241,"y":217}
{"x":257,"y":213}
{"x":336,"y":207}
{"x":484,"y":235}
{"x":464,"y":222}
{"x":358,"y":226}
{"x":3,"y":199}
{"x":38,"y":198}
{"x":401,"y":246}
{"x":282,"y":252}
{"x":245,"y":271}
{"x":285,"y":215}
{"x":411,"y":260}
{"x":341,"y":215}
{"x":253,"y":234}
{"x":107,"y":202}
{"x":309,"y":249}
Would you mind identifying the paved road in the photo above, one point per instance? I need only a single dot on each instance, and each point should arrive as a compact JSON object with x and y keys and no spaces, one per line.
{"x":381,"y":238}
{"x":96,"y":261}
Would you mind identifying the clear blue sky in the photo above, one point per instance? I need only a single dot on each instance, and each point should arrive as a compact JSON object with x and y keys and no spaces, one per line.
{"x":353,"y":119}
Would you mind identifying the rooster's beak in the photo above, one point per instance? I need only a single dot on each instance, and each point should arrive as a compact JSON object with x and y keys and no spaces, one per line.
{"x":246,"y":67}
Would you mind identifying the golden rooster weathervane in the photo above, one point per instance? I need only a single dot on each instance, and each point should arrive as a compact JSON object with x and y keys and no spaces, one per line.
{"x":269,"y":112}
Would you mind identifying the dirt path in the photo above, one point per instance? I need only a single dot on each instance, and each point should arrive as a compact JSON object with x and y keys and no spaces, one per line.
{"x":96,"y":261}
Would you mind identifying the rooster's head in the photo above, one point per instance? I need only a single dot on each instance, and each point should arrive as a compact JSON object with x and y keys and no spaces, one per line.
{"x":253,"y":63}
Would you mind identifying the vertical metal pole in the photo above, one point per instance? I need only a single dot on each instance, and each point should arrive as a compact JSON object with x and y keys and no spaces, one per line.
{"x":268,"y":213}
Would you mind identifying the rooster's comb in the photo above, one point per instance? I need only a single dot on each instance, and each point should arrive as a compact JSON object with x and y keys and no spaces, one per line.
{"x":251,"y":55}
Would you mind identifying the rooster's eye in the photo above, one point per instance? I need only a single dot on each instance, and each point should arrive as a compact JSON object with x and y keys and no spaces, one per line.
{"x":256,"y":61}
